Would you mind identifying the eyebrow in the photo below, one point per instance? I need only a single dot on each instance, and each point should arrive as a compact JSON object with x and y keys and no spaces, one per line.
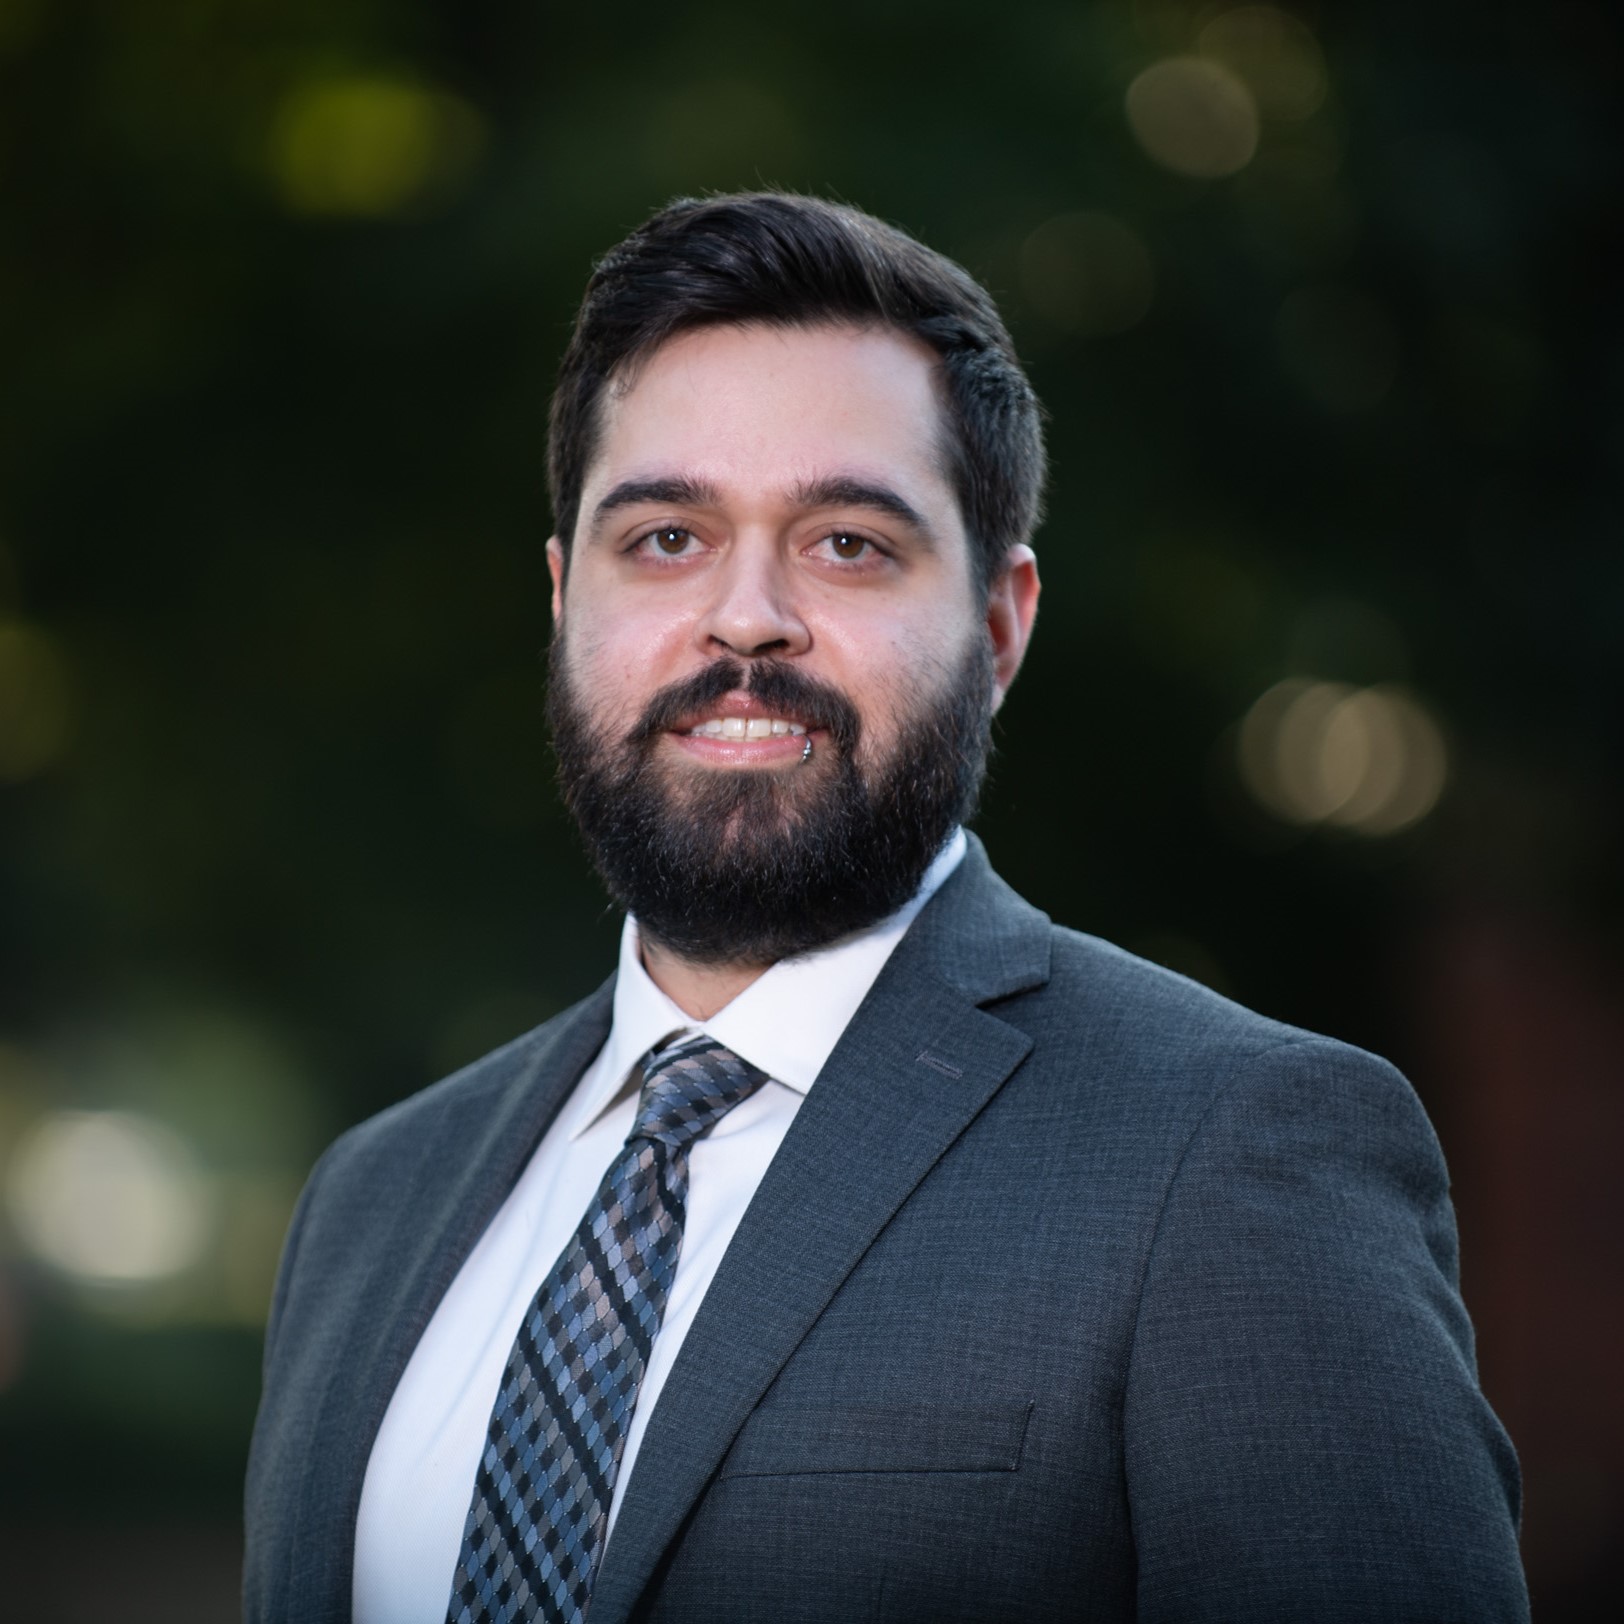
{"x":825,"y":491}
{"x":674,"y":490}
{"x":843,"y":490}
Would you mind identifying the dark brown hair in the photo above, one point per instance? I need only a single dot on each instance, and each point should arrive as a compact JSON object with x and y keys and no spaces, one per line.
{"x":785,"y":260}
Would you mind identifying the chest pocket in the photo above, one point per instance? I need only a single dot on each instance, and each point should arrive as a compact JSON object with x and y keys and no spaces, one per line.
{"x":789,"y":1440}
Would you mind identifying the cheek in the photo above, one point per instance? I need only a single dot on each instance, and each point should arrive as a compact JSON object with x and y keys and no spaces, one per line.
{"x":599,"y":679}
{"x":618,"y":658}
{"x":899,"y":670}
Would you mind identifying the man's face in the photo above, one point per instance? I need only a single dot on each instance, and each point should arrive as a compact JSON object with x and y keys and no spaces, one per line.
{"x":770,"y":552}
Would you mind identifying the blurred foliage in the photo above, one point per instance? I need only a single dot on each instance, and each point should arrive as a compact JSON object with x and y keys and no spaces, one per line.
{"x":1322,"y":303}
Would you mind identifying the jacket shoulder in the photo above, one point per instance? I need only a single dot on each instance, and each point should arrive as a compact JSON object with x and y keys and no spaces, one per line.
{"x":1160,"y":1018}
{"x":480,"y":1121}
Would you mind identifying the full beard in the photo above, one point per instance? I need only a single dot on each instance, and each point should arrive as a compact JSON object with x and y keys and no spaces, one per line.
{"x":751,"y":865}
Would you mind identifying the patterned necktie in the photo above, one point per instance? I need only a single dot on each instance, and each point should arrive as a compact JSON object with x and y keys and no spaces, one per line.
{"x":540,"y":1508}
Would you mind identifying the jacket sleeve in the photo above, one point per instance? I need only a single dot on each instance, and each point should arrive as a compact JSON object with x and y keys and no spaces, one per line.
{"x":1304,"y":1436}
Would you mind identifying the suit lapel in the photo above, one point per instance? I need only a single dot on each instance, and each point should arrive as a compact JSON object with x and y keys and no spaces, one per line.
{"x":493,"y":1136}
{"x":915,"y":1066}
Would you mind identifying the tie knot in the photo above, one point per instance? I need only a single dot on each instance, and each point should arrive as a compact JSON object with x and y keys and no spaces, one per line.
{"x":688,"y":1087}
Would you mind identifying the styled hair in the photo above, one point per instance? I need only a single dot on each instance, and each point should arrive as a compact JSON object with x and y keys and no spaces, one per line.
{"x":792,"y":261}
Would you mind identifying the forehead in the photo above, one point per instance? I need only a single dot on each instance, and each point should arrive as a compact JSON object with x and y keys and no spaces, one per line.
{"x":740,"y":405}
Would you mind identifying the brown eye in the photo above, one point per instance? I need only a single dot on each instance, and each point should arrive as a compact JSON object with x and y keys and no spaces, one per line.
{"x":848,"y":547}
{"x":671,"y":541}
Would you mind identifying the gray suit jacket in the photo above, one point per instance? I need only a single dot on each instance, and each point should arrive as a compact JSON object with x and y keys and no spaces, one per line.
{"x":1074,"y":1292}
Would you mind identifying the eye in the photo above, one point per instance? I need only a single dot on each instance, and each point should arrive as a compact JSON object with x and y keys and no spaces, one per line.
{"x":847,"y":546}
{"x":669,"y":541}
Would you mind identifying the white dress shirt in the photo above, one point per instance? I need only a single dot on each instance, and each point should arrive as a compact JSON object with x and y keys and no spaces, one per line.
{"x":420,"y":1476}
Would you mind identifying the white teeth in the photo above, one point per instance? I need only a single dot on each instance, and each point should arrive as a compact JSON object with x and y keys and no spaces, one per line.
{"x":738,"y":727}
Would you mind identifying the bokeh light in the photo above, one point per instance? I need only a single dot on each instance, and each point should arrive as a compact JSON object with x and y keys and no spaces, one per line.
{"x":1194,"y":116}
{"x":1088,"y":273}
{"x":35,"y":706}
{"x":1276,"y":55}
{"x":108,"y":1197}
{"x":154,"y":1159}
{"x":1371,"y":760}
{"x":369,"y":146}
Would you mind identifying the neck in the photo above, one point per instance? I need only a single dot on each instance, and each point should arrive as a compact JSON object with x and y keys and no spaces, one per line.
{"x":698,"y":990}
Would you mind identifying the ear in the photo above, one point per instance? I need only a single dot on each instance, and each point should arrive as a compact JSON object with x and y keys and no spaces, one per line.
{"x":556,"y":568}
{"x":1012,"y":606}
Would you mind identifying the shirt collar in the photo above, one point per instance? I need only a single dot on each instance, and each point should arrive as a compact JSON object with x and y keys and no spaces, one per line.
{"x":787,"y":1021}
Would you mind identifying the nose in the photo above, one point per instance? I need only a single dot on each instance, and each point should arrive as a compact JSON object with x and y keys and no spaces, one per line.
{"x":752,"y":609}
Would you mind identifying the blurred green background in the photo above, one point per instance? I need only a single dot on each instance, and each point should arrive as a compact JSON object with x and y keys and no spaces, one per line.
{"x":1323,"y":708}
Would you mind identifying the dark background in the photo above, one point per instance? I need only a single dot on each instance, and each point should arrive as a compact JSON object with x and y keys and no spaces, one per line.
{"x":1326,"y":316}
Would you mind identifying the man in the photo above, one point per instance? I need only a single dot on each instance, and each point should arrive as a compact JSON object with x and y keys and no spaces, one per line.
{"x":867,"y":1248}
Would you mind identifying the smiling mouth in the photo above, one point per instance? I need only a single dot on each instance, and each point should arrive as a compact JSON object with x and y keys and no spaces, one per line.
{"x":729,"y":715}
{"x":742,"y":727}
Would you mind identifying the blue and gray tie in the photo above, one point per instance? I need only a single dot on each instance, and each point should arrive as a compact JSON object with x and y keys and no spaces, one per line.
{"x":535,"y":1530}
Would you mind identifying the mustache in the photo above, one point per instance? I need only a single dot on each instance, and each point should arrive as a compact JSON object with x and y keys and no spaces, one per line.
{"x":776,"y":686}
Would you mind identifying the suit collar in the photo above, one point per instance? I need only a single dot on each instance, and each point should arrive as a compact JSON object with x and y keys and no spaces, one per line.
{"x":978,"y":935}
{"x":786,"y":1022}
{"x":914,"y":1067}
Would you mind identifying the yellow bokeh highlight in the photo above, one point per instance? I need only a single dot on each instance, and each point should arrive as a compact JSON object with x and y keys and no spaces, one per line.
{"x":36,"y":711}
{"x":369,"y":146}
{"x":1367,"y":759}
{"x":1194,"y":116}
{"x":1277,"y":56}
{"x":110,"y":1198}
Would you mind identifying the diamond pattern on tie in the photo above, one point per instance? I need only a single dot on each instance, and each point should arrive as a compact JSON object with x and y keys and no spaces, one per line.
{"x":540,"y":1509}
